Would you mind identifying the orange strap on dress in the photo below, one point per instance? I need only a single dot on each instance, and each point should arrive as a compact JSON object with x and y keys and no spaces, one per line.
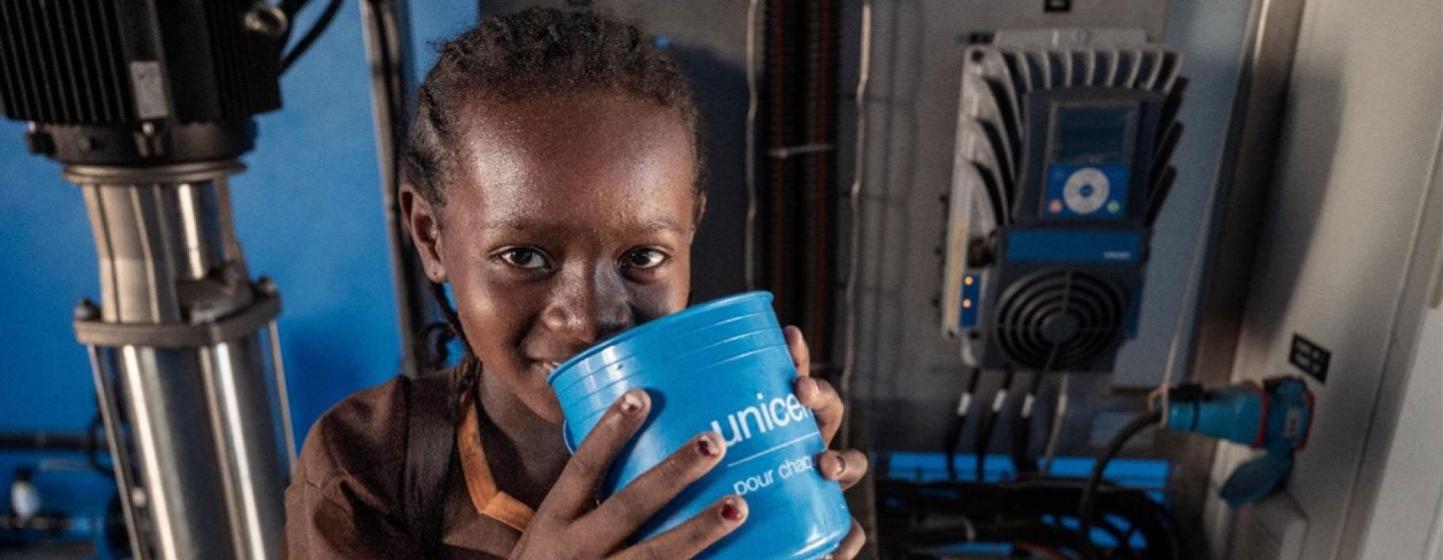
{"x":489,"y":500}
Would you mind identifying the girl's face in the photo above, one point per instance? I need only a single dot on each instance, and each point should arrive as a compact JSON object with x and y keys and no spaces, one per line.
{"x":570,"y":218}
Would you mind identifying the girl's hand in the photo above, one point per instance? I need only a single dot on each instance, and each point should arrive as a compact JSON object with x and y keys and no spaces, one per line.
{"x":566,"y":525}
{"x":846,"y":466}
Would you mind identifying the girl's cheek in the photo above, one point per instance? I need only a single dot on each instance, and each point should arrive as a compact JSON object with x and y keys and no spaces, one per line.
{"x":657,"y":300}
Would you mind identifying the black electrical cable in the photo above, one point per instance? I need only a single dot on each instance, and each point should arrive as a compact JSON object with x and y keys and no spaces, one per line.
{"x":959,"y":421}
{"x":1086,"y":510}
{"x":1118,"y":535}
{"x":989,"y":423}
{"x":42,"y":441}
{"x":290,"y":8}
{"x":317,"y":28}
{"x":914,"y":515}
{"x":1022,"y":428}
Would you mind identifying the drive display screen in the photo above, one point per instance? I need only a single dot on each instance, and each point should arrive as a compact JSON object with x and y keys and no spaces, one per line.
{"x":1091,"y":134}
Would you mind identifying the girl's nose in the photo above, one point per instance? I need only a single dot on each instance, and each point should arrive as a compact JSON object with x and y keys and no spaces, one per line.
{"x":589,"y":304}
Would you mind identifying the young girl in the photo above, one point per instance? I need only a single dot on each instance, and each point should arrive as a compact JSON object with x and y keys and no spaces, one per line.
{"x":553,"y":180}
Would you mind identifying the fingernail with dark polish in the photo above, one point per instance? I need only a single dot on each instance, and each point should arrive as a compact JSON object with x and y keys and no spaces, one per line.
{"x":630,"y":403}
{"x":705,"y":445}
{"x":730,"y":511}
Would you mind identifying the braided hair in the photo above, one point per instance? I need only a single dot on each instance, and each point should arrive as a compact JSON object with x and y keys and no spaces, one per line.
{"x":536,"y":52}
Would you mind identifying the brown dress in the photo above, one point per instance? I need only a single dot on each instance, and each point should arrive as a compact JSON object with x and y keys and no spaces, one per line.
{"x":344,"y":500}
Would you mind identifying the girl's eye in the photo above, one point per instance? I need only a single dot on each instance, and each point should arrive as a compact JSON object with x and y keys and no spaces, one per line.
{"x":524,"y":258}
{"x":644,"y":258}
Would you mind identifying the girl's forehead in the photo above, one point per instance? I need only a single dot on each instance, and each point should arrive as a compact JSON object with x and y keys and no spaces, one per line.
{"x":562,"y":117}
{"x":588,"y":157}
{"x":649,"y":200}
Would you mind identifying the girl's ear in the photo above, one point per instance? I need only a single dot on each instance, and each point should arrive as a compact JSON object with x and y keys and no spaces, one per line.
{"x":700,"y":210}
{"x":425,"y":226}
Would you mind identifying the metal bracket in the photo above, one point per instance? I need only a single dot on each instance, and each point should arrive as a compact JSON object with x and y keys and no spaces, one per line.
{"x":265,"y":308}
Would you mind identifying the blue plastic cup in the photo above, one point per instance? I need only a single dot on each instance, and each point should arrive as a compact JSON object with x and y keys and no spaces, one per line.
{"x":721,"y":366}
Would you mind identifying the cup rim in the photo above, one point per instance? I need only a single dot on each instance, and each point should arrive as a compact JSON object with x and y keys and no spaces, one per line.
{"x":658,"y":324}
{"x":560,"y":385}
{"x":567,"y":378}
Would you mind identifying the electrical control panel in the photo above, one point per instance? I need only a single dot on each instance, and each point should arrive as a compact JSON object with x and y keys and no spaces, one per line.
{"x":1060,"y":171}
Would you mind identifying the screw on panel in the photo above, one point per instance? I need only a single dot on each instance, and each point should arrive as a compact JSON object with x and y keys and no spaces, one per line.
{"x":147,"y":143}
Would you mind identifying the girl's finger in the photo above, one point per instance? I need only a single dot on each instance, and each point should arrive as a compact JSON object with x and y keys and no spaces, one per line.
{"x":621,"y":514}
{"x":690,"y":538}
{"x":818,"y":395}
{"x":574,"y":489}
{"x":846,"y":467}
{"x":801,"y":354}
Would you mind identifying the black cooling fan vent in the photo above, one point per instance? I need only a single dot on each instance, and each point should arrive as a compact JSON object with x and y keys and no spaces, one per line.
{"x":1059,"y":319}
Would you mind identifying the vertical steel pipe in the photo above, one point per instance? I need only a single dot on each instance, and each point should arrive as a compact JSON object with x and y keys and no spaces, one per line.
{"x":185,"y":364}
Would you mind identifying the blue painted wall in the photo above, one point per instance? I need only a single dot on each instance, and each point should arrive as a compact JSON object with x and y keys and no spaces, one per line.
{"x":308,"y":213}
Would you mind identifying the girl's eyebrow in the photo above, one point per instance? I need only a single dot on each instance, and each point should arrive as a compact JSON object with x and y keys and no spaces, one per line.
{"x":520,"y":224}
{"x":509,"y":224}
{"x":662,"y":225}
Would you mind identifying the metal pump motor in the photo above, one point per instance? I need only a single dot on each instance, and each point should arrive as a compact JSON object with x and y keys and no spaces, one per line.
{"x":148,"y":105}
